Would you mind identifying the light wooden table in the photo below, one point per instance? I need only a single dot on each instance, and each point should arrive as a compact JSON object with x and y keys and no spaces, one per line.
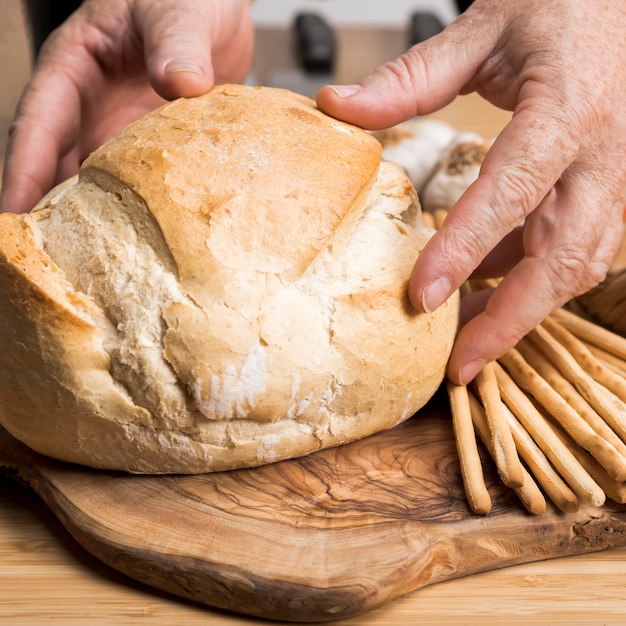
{"x":46,"y":577}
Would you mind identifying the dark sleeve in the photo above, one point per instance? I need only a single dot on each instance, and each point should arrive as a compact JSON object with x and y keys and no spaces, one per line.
{"x":45,"y":15}
{"x":463,"y":4}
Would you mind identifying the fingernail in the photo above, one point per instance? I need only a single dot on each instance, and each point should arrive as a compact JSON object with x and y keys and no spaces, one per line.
{"x":182,"y":65}
{"x":345,"y":91}
{"x":436,"y":293}
{"x":470,"y":370}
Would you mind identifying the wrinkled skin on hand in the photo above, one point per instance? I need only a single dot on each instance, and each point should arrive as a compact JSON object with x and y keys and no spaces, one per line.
{"x":109,"y":63}
{"x":558,"y":167}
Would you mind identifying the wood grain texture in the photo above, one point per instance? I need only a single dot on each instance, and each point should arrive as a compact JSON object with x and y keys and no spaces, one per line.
{"x":324,"y":537}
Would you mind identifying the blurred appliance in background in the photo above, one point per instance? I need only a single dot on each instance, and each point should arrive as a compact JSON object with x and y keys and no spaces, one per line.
{"x":304,"y":44}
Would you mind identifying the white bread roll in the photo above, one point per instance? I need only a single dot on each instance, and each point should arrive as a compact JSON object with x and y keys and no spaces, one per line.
{"x":223,"y":286}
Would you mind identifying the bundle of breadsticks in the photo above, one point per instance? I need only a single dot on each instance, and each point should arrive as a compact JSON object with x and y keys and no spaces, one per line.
{"x":551,"y":412}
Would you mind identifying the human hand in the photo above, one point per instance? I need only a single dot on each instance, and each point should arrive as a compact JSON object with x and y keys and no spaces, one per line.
{"x":558,"y":167}
{"x":109,"y":63}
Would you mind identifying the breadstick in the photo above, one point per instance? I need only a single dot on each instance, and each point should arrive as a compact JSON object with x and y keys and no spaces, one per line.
{"x":577,"y":402}
{"x":607,"y":404}
{"x":535,"y":423}
{"x":483,"y":284}
{"x":529,"y":494}
{"x":429,"y":219}
{"x":471,"y":469}
{"x":616,"y":490}
{"x":554,"y":486}
{"x":440,"y":217}
{"x":592,"y":333}
{"x":571,"y":411}
{"x":465,"y":289}
{"x":598,"y":371}
{"x":567,"y":391}
{"x":609,"y":360}
{"x":505,"y":454}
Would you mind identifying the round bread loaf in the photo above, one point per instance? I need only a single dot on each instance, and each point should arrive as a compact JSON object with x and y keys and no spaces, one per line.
{"x":223,"y":286}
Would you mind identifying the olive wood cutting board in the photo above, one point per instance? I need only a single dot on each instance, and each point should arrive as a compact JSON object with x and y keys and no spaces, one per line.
{"x":324,"y":537}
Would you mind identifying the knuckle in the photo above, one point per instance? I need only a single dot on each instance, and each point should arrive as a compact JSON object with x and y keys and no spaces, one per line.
{"x":520,"y":183}
{"x":572,"y":272}
{"x":416,"y":74}
{"x":517,"y":194}
{"x":408,"y":71}
{"x":463,"y":244}
{"x":584,"y":261}
{"x":592,"y":106}
{"x":597,"y":272}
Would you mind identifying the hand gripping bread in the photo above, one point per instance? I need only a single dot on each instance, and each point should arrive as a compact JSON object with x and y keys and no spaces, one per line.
{"x":223,"y":286}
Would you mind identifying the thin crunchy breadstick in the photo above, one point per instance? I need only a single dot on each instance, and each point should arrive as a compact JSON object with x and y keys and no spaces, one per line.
{"x":465,"y":289}
{"x":607,"y":404}
{"x":471,"y":468}
{"x":598,"y":371}
{"x":440,"y":217}
{"x":429,"y":219}
{"x":577,"y":402}
{"x":616,"y":490}
{"x":535,"y":423}
{"x":571,"y":411}
{"x":485,"y":283}
{"x":616,"y":364}
{"x":555,"y":487}
{"x":529,"y":494}
{"x":505,"y":454}
{"x":592,"y":333}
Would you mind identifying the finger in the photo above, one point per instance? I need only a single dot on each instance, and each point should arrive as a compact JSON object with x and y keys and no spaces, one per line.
{"x":424,"y":79}
{"x":176,"y":37}
{"x":182,"y":39}
{"x":522,"y":166}
{"x":560,"y":263}
{"x":46,"y":124}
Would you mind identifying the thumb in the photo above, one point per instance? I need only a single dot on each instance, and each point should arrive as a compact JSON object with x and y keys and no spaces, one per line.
{"x":177,"y":41}
{"x":424,"y":79}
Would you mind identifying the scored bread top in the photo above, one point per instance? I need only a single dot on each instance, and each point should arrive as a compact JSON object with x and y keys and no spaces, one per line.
{"x":253,"y":185}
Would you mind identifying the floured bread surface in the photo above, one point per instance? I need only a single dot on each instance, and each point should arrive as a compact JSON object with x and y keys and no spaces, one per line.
{"x":223,"y":286}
